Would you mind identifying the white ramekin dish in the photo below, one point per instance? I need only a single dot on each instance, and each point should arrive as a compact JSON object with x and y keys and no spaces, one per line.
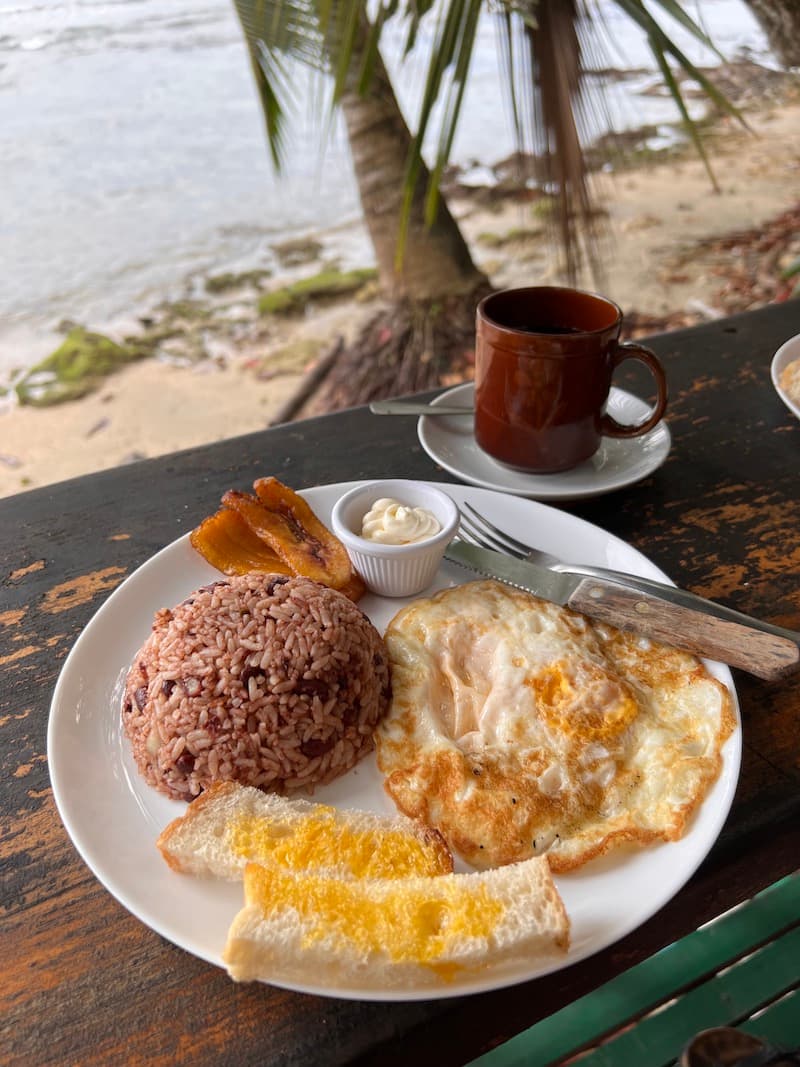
{"x":395,"y":570}
{"x":789,"y":351}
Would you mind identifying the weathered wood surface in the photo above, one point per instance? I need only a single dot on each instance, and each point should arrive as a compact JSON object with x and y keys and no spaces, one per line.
{"x":86,"y":983}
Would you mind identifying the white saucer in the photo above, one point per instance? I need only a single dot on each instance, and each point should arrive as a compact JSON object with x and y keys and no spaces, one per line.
{"x":450,"y":442}
{"x":788,"y":352}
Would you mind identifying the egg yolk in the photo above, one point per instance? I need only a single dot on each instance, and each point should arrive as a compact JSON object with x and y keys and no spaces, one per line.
{"x":597,"y":707}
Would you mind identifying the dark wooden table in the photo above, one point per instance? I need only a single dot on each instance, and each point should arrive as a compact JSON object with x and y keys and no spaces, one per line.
{"x":86,"y":983}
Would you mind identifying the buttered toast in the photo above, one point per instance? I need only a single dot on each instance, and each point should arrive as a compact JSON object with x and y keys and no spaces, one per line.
{"x":230,"y":825}
{"x":415,"y":931}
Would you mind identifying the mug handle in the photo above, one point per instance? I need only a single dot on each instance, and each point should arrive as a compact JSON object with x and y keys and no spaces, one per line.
{"x":630,"y":350}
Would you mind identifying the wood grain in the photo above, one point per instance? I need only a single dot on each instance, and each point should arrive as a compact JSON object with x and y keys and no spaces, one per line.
{"x":85,"y":983}
{"x":763,"y":654}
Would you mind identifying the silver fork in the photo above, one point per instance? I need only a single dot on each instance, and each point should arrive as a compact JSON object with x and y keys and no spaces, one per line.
{"x":476,"y":529}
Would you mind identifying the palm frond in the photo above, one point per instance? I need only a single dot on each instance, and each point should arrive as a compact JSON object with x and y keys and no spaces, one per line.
{"x":558,"y":79}
{"x":674,"y":88}
{"x":673,"y":8}
{"x":342,"y":34}
{"x":268,"y":73}
{"x":462,"y":54}
{"x":639,"y":13}
{"x":275,"y":33}
{"x":508,"y":69}
{"x":371,"y":48}
{"x":414,"y":13}
{"x":446,"y":78}
{"x":545,"y":45}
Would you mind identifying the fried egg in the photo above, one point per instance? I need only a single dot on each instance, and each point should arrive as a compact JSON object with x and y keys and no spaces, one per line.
{"x":518,"y":727}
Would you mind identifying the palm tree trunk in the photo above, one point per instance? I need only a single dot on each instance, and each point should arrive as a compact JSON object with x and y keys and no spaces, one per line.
{"x":425,"y":335}
{"x":436,"y":260}
{"x":780,"y":21}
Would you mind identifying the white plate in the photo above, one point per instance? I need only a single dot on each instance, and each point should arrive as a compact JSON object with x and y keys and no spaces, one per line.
{"x":449,"y":441}
{"x":114,"y":817}
{"x":788,"y":351}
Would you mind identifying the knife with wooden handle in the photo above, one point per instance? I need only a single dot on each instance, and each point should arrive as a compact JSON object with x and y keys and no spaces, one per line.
{"x":665,"y":613}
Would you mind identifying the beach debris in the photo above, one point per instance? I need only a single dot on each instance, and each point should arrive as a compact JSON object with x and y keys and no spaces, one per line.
{"x":101,"y":424}
{"x":515,"y":236}
{"x":757,"y":266}
{"x":292,"y":358}
{"x":310,"y":385}
{"x":297,"y":251}
{"x":753,"y":263}
{"x":704,"y":309}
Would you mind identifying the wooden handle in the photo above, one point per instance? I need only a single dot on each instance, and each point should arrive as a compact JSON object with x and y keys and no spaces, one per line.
{"x":762,"y":654}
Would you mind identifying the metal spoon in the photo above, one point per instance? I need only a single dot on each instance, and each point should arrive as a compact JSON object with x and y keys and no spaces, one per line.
{"x":404,"y":407}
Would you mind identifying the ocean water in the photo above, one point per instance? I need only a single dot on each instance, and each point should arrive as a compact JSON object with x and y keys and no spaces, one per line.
{"x":132,"y":151}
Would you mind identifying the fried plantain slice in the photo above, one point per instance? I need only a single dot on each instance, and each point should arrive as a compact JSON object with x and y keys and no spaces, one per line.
{"x":355,"y":587}
{"x":226,"y":541}
{"x":285,"y":521}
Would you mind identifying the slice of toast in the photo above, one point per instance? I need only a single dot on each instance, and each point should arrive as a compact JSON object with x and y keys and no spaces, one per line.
{"x":373,"y":934}
{"x":230,"y":825}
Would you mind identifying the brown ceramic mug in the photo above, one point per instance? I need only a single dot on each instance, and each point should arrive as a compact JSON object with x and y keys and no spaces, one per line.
{"x":544,"y":360}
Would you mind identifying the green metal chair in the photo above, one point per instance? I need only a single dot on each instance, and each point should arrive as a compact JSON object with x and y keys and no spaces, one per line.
{"x":741,"y":970}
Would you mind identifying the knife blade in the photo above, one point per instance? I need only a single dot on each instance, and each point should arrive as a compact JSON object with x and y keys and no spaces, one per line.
{"x":672,"y":616}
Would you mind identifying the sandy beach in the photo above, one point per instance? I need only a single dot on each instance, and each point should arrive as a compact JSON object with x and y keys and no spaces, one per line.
{"x":664,"y":265}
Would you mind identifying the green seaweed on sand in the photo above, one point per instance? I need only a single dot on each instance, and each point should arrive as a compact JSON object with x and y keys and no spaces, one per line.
{"x":222,"y":283}
{"x":329,"y":284}
{"x":78,"y":366}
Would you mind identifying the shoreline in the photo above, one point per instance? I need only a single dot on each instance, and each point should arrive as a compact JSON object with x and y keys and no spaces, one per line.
{"x":673,"y":262}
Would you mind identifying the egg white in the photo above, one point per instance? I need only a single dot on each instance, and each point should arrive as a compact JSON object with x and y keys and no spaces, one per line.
{"x":518,"y":727}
